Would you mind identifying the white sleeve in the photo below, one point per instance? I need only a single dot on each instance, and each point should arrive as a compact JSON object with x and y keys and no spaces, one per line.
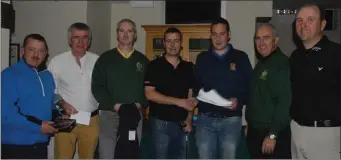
{"x":53,"y":70}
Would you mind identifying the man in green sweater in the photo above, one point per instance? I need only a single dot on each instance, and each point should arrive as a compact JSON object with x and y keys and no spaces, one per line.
{"x":267,"y":113}
{"x":118,"y":80}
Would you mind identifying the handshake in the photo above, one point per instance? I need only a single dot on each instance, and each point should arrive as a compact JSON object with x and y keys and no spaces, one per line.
{"x":189,"y":104}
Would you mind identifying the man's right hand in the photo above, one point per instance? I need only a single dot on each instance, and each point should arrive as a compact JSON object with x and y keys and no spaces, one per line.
{"x":46,"y":128}
{"x":68,"y":108}
{"x":186,"y":104}
{"x":194,"y":101}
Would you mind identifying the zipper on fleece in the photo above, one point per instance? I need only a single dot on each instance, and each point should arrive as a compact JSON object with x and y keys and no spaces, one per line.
{"x":41,"y":83}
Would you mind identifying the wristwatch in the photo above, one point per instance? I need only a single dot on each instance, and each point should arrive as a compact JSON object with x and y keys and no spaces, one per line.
{"x":273,"y":136}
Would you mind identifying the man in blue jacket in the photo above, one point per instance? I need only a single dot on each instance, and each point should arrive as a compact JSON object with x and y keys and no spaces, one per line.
{"x":228,"y":71}
{"x":27,"y":94}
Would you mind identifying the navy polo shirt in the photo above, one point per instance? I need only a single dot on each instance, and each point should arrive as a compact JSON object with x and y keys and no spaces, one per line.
{"x":229,"y":74}
{"x":169,"y":81}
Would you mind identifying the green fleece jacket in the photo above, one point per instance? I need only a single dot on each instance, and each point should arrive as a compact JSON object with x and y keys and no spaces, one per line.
{"x":116,"y":79}
{"x":270,"y":94}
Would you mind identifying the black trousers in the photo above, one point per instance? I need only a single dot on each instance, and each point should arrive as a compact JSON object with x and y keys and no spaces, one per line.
{"x":255,"y":139}
{"x":36,"y":151}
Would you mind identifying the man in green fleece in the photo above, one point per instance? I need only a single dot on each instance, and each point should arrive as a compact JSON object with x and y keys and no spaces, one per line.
{"x":267,"y":113}
{"x":118,"y":80}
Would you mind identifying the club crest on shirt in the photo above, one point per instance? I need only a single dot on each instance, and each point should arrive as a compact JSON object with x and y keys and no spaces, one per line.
{"x":139,"y":67}
{"x":264,"y":75}
{"x":232,"y":66}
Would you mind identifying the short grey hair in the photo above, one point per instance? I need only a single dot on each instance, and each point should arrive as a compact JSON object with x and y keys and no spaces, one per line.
{"x":269,"y":25}
{"x":80,"y":26}
{"x":126,"y":20}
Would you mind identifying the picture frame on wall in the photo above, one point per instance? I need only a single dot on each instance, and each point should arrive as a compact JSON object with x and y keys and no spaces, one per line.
{"x":14,"y":54}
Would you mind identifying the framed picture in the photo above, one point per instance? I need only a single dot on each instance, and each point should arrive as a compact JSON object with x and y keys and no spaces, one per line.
{"x":14,"y":54}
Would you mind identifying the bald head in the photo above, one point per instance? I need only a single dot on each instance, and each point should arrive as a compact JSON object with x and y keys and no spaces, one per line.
{"x":266,"y":39}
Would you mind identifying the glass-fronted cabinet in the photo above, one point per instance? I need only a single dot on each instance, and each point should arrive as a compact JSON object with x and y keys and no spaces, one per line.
{"x":157,"y":50}
{"x":196,"y":45}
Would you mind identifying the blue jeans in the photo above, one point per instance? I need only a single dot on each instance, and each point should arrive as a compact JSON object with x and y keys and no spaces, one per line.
{"x":217,"y":137}
{"x":168,"y":139}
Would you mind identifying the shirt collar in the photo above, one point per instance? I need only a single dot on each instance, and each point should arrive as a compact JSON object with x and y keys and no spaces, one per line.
{"x":41,"y":67}
{"x":319,"y":45}
{"x":261,"y":58}
{"x":222,"y":56}
{"x":125,"y":55}
{"x":81,"y":58}
{"x":163,"y":55}
{"x":166,"y":62}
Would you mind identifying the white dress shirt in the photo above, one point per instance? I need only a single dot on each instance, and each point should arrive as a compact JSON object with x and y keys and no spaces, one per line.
{"x":73,"y":82}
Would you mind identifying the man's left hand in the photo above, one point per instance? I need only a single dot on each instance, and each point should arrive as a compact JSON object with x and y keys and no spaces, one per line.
{"x":234,"y":103}
{"x":268,"y":145}
{"x":188,"y":127}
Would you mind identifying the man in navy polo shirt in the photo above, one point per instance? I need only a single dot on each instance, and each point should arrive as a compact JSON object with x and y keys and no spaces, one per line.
{"x":228,"y":71}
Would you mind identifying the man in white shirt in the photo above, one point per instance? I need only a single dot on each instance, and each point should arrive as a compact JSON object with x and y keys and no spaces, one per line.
{"x":72,"y":73}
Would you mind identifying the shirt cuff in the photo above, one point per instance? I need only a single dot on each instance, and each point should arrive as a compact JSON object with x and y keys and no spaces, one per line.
{"x":57,"y":98}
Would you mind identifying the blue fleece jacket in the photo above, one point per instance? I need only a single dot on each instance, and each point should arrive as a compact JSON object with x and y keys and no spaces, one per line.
{"x":33,"y":92}
{"x":229,"y":74}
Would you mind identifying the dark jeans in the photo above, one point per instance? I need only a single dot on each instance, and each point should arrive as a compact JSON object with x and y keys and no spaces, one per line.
{"x":255,"y":139}
{"x":168,"y":139}
{"x":217,"y":138}
{"x":36,"y":151}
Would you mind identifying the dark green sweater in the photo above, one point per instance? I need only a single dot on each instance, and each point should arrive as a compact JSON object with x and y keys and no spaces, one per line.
{"x":116,"y":79}
{"x":270,"y":94}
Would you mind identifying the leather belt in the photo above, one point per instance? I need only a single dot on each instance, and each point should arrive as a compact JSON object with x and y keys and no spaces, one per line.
{"x":94,"y":113}
{"x":318,"y":123}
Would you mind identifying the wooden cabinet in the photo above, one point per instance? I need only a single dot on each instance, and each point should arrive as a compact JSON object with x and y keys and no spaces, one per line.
{"x":195,"y":40}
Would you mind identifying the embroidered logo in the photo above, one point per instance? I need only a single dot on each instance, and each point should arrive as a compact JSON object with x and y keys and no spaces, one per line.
{"x":316,"y":49}
{"x":232,"y":66}
{"x":320,"y":68}
{"x":139,"y":66}
{"x":264,"y":75}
